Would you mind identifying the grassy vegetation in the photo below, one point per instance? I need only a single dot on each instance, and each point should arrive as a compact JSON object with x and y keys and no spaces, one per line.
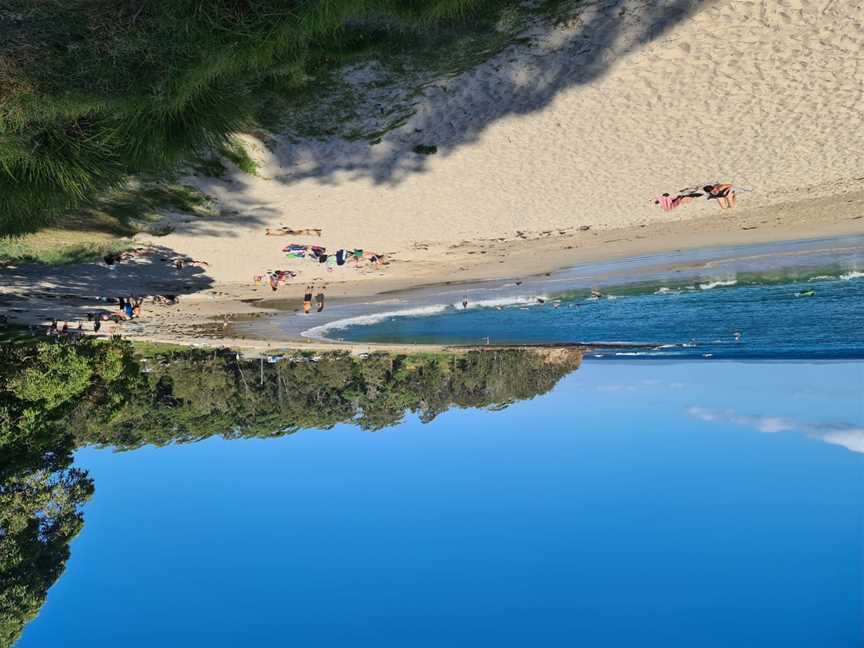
{"x":394,"y":67}
{"x":237,"y":153}
{"x":104,"y":225}
{"x":93,"y":91}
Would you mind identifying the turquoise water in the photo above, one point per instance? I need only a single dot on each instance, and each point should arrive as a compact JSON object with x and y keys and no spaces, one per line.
{"x":637,"y":504}
{"x":803,"y":300}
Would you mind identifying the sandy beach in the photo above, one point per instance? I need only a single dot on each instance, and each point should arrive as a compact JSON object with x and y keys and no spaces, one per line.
{"x":548,"y":155}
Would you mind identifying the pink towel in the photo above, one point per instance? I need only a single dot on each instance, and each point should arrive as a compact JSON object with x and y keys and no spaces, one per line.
{"x":667,"y":203}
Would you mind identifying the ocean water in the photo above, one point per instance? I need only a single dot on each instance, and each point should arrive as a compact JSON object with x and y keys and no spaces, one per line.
{"x":803,"y":300}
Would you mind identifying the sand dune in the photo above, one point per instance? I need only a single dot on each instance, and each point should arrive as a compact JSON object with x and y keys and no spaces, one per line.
{"x":583,"y":126}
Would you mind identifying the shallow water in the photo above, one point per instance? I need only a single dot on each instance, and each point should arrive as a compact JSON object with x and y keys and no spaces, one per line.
{"x":797,"y":300}
{"x":650,"y":504}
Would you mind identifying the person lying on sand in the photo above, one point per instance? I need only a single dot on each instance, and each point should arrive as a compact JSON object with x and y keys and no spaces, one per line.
{"x":129,"y":307}
{"x":166,"y":300}
{"x":307,"y":299}
{"x":278,"y":276}
{"x":374,"y":258}
{"x":724,"y":194}
{"x":181,"y":262}
{"x":668,"y":203}
{"x":289,"y":231}
{"x":319,"y":298}
{"x":116,"y":257}
{"x":101,"y":316}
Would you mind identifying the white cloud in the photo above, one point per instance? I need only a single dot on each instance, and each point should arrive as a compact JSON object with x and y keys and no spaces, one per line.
{"x":848,"y":435}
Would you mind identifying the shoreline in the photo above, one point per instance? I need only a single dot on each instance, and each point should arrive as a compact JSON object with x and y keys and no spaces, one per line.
{"x":249,"y":324}
{"x":700,"y":266}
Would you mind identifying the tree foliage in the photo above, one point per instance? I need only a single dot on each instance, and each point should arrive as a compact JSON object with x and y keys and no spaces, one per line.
{"x":58,"y":396}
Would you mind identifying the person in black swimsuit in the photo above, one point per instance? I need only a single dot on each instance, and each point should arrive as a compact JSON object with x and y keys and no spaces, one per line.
{"x":724,"y":194}
{"x":307,"y":299}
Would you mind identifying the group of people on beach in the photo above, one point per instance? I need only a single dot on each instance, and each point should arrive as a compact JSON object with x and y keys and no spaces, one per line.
{"x":318,"y":254}
{"x":128,"y":308}
{"x":56,"y":330}
{"x":319,"y":298}
{"x":314,"y":253}
{"x":724,"y":194}
{"x":178,"y":262}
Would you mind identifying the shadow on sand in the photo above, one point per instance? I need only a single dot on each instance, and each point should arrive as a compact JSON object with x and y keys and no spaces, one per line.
{"x":520,"y":80}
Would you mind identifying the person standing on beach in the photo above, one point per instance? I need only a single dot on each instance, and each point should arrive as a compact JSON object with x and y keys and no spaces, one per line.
{"x":307,"y":299}
{"x":319,"y":298}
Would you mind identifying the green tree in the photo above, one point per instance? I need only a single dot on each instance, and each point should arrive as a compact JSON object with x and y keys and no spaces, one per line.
{"x":58,"y":396}
{"x":39,"y":516}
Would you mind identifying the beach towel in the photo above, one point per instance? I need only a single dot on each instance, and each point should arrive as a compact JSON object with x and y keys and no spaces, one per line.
{"x":667,"y":203}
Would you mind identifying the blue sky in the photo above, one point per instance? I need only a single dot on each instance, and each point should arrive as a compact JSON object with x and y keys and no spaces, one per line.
{"x":695,"y":504}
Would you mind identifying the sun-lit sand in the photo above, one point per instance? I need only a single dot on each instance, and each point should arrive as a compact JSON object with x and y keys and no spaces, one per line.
{"x":580,"y":127}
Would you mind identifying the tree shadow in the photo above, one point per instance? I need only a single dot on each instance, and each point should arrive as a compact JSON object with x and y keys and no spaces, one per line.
{"x":70,"y":291}
{"x":520,"y":80}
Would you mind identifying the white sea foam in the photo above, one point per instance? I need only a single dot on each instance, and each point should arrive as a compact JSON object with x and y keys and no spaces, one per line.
{"x":375,"y":318}
{"x":852,"y":274}
{"x":521,"y":300}
{"x":421,"y":311}
{"x":708,"y":285}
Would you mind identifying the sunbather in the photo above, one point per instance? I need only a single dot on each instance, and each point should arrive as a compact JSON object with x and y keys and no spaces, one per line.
{"x":288,"y":231}
{"x":668,"y":203}
{"x":724,"y":194}
{"x":181,"y":262}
